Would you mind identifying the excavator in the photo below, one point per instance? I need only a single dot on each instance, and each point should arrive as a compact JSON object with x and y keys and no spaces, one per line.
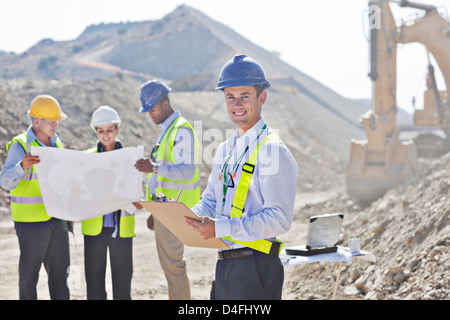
{"x":386,"y":159}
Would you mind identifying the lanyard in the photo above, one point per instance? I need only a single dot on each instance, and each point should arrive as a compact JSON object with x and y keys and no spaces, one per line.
{"x":226,"y":183}
{"x":154,"y":153}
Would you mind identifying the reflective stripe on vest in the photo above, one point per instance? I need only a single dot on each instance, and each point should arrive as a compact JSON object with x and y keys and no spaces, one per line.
{"x":93,"y":227}
{"x":240,"y":197}
{"x":165,"y":156}
{"x":26,"y":199}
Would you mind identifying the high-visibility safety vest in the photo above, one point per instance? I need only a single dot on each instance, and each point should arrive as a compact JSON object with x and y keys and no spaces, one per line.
{"x":93,"y":227}
{"x":190,"y":195}
{"x":240,"y":197}
{"x":26,"y":199}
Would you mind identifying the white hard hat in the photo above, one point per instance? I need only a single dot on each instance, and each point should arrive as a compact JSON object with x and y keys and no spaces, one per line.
{"x":105,"y":115}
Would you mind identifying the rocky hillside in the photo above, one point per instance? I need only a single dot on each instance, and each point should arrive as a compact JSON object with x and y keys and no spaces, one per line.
{"x":185,"y":48}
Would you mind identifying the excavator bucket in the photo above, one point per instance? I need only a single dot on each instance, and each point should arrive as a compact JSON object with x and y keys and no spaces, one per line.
{"x":370,"y":173}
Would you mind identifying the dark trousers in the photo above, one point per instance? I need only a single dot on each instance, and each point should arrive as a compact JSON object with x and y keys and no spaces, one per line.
{"x":256,"y":277}
{"x":43,"y":243}
{"x":121,"y":261}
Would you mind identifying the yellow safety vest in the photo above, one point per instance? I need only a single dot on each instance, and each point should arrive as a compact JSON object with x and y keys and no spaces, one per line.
{"x":93,"y":227}
{"x":26,"y":199}
{"x":164,"y":156}
{"x":240,"y":197}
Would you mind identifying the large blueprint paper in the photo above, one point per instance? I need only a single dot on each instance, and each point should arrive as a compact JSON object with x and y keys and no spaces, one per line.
{"x":77,"y":185}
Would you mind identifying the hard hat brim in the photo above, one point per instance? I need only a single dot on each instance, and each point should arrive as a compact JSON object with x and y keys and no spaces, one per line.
{"x":60,"y":117}
{"x":105,"y":123}
{"x":265,"y":84}
{"x":145,"y":109}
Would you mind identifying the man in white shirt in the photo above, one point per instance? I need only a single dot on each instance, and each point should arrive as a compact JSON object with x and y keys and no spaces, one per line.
{"x":249,"y":199}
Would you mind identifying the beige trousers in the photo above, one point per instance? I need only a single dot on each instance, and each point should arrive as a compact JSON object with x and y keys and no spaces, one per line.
{"x":170,"y":253}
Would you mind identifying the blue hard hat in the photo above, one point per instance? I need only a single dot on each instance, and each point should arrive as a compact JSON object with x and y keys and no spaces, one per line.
{"x":151,"y":93}
{"x":242,"y":71}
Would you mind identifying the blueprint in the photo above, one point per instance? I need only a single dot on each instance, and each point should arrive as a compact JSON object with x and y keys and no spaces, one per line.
{"x":77,"y":185}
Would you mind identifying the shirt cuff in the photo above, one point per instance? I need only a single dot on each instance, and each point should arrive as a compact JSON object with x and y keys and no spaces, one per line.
{"x":19,"y":171}
{"x":223,"y":228}
{"x":163,"y":170}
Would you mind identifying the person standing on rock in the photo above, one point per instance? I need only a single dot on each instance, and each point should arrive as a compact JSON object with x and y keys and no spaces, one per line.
{"x":172,"y":168}
{"x":249,"y":199}
{"x":42,"y":239}
{"x":114,"y":230}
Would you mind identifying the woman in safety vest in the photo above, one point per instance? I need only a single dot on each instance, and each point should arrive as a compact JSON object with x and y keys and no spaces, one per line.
{"x":114,"y":230}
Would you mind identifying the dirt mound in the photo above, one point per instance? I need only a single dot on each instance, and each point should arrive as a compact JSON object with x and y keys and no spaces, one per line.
{"x":408,"y":230}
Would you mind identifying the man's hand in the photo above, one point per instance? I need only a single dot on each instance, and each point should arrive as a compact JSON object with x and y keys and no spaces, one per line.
{"x":206,"y":226}
{"x":137,"y":205}
{"x":151,"y":223}
{"x":29,"y":160}
{"x":144,"y":165}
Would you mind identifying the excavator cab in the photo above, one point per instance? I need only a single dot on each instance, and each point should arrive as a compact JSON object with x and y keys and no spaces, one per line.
{"x":435,"y":114}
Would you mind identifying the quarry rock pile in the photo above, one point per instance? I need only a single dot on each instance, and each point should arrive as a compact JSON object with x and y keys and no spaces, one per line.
{"x":408,"y":230}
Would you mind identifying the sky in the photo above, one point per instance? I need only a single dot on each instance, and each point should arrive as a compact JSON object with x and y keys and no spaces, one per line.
{"x":326,"y":39}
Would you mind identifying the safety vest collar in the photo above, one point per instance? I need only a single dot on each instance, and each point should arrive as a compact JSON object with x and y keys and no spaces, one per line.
{"x":164,"y":150}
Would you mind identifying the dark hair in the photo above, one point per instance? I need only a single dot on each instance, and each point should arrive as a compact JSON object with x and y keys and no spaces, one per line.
{"x":165,"y":98}
{"x":259,"y":89}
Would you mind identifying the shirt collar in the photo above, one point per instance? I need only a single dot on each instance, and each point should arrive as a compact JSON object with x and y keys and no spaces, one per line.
{"x":166,"y":124}
{"x":250,"y":134}
{"x":32,"y":137}
{"x":248,"y":138}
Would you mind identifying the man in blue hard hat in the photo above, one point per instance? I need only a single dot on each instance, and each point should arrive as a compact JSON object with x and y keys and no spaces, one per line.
{"x":172,"y":167}
{"x":249,"y":199}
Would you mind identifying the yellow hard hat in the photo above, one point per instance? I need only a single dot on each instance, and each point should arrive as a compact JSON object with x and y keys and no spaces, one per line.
{"x":46,"y":107}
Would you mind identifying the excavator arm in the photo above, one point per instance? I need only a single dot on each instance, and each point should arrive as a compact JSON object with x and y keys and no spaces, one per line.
{"x":432,"y":31}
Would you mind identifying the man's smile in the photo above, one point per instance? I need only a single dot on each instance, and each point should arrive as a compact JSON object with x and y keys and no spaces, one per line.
{"x":239,"y":113}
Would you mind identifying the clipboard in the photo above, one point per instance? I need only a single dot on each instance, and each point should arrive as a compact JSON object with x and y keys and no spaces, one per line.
{"x":171,"y":215}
